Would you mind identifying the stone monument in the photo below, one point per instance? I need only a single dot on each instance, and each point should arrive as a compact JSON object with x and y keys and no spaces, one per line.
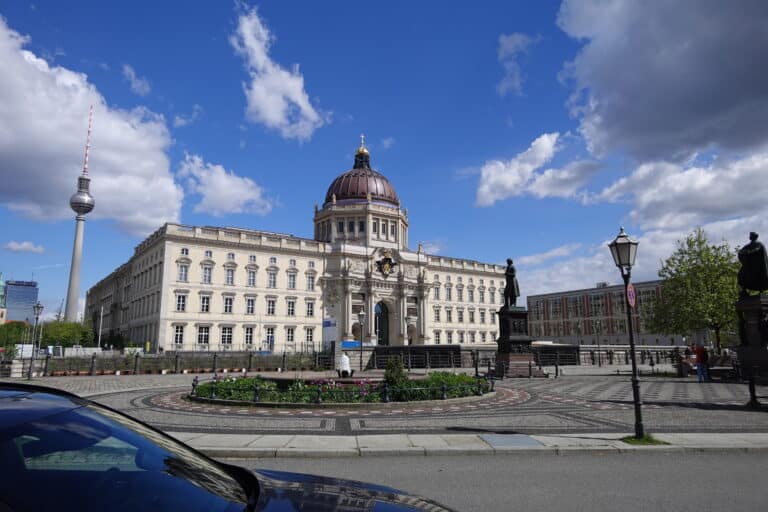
{"x":514,"y":344}
{"x":752,"y":311}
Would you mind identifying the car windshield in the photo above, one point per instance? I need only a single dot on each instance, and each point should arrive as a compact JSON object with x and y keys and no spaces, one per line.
{"x":90,"y":458}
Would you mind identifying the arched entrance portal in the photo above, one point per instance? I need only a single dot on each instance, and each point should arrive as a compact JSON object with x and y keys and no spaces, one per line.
{"x":382,"y":324}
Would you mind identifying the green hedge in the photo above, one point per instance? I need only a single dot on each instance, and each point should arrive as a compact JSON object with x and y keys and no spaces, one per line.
{"x":330,"y":391}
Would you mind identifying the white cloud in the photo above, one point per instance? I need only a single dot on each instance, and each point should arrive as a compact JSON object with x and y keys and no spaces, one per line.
{"x":139,"y":85}
{"x":565,"y":182}
{"x":664,"y":79}
{"x":672,"y":196}
{"x":180,"y":121}
{"x":222,"y":192}
{"x":275,"y":96}
{"x":26,"y":246}
{"x":387,"y":142}
{"x":511,"y":46}
{"x":557,"y":252}
{"x":43,"y":121}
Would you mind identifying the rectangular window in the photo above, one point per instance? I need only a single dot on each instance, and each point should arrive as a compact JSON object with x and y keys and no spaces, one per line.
{"x":471,"y":295}
{"x":251,"y":278}
{"x":460,"y":294}
{"x":270,"y":306}
{"x":231,"y":256}
{"x":449,"y":337}
{"x":209,"y":254}
{"x":384,"y":229}
{"x":448,"y":315}
{"x":205,"y":303}
{"x":341,"y":227}
{"x":291,"y":281}
{"x":460,"y":315}
{"x":184,"y":251}
{"x":310,"y":335}
{"x":493,"y":297}
{"x":436,"y":294}
{"x":289,"y":334}
{"x":437,"y":314}
{"x":392,"y":229}
{"x":351,"y":226}
{"x":291,"y":308}
{"x":471,"y":317}
{"x":437,"y":337}
{"x":292,"y":263}
{"x":482,"y":316}
{"x":226,"y":335}
{"x":207,"y":271}
{"x":178,"y":336}
{"x":310,"y":283}
{"x":311,"y":264}
{"x":472,"y":337}
{"x":203,"y":335}
{"x":270,"y":338}
{"x":230,"y":276}
{"x":250,"y":305}
{"x":361,"y":226}
{"x":461,"y":336}
{"x":273,"y":260}
{"x":249,"y":335}
{"x":272,"y":280}
{"x":252,"y":258}
{"x":447,"y":293}
{"x":183,"y":273}
{"x":181,"y":303}
{"x":375,"y":226}
{"x":482,"y":337}
{"x":228,"y":304}
{"x":310,"y":309}
{"x":482,"y":296}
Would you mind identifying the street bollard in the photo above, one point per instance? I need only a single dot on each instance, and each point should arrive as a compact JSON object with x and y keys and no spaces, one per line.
{"x":176,"y":363}
{"x":213,"y":388}
{"x":92,"y":369}
{"x":250,"y":361}
{"x":444,"y":392}
{"x":557,"y":370}
{"x":385,"y":398}
{"x":215,"y":357}
{"x":256,"y":395}
{"x":530,"y":369}
{"x":45,"y":368}
{"x":136,"y":363}
{"x":319,"y":399}
{"x":476,"y":357}
{"x":195,"y":382}
{"x":626,"y":357}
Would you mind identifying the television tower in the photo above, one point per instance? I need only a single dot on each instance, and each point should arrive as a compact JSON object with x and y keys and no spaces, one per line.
{"x":82,"y":203}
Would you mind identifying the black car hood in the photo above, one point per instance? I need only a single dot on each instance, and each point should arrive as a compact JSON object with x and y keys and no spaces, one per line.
{"x":283,"y":491}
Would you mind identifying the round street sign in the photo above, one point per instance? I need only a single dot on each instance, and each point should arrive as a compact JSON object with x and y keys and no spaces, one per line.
{"x":631,"y":295}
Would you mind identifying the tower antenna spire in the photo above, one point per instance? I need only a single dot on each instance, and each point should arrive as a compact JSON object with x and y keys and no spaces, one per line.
{"x":88,"y":141}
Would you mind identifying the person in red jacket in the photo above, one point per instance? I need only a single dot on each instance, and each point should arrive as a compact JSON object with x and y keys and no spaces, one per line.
{"x":702,"y":362}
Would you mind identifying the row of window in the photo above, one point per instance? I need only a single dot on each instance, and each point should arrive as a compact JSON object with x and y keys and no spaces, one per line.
{"x":460,"y":294}
{"x":380,"y":228}
{"x":460,"y":315}
{"x":251,"y":258}
{"x":250,"y":305}
{"x":226,"y":335}
{"x":464,"y":337}
{"x":229,"y":277}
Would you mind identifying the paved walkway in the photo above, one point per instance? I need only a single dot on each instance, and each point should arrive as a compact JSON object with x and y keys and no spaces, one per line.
{"x":250,"y":446}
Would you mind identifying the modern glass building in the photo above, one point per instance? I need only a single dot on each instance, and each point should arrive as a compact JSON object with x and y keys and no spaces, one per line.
{"x":20,"y":297}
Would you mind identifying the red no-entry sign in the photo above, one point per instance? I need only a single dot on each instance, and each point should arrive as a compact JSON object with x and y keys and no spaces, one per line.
{"x":631,"y":295}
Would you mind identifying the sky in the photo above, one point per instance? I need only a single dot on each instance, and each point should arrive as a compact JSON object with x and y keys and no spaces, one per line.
{"x":530,"y":130}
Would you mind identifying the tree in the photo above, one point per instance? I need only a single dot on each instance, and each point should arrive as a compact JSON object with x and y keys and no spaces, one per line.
{"x":66,"y":334}
{"x":699,"y":289}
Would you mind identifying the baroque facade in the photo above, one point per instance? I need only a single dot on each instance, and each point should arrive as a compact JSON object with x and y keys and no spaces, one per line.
{"x":207,"y":288}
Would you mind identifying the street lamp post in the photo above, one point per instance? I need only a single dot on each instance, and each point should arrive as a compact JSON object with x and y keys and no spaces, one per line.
{"x":599,"y":333}
{"x":38,"y":310}
{"x":624,"y":249}
{"x":361,"y":319}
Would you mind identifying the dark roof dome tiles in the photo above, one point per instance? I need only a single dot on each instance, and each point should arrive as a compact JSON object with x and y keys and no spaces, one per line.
{"x":360,"y":181}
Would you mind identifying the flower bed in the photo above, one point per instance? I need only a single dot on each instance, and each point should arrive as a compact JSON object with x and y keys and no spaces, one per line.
{"x":437,"y":386}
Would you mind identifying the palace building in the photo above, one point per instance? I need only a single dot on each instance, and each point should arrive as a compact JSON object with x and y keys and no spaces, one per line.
{"x":208,"y":288}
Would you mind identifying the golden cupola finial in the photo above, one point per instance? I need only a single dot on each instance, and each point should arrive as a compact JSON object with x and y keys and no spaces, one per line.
{"x":362,"y":150}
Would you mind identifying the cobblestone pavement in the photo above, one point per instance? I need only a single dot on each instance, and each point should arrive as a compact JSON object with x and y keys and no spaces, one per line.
{"x":539,"y":406}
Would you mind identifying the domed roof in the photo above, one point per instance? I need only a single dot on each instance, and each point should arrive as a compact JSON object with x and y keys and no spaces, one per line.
{"x":360,"y":181}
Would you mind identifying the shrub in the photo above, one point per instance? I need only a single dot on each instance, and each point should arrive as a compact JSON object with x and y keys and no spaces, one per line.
{"x":394,"y":374}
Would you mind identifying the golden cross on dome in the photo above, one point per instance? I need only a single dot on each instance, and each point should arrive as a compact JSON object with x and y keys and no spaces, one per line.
{"x":362,"y":140}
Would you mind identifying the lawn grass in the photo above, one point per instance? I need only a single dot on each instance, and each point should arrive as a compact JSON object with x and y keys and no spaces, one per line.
{"x":646,"y":440}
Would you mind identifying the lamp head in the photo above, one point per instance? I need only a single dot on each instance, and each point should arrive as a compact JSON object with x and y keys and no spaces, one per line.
{"x":624,"y":250}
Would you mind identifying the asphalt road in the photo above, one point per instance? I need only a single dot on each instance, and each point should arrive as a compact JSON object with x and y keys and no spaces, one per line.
{"x":627,"y":482}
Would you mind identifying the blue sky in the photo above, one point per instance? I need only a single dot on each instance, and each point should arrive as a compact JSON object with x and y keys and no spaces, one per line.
{"x":524,"y":129}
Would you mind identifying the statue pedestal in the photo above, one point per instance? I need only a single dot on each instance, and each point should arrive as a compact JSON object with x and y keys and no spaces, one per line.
{"x":753,"y":333}
{"x":514,"y":344}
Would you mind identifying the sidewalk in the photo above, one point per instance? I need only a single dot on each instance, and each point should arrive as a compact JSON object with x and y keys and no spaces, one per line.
{"x":269,"y":446}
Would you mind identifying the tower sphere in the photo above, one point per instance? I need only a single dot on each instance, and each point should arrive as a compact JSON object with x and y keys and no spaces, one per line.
{"x":82,"y":201}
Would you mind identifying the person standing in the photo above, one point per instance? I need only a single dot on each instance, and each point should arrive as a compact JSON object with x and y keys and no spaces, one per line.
{"x":702,"y":362}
